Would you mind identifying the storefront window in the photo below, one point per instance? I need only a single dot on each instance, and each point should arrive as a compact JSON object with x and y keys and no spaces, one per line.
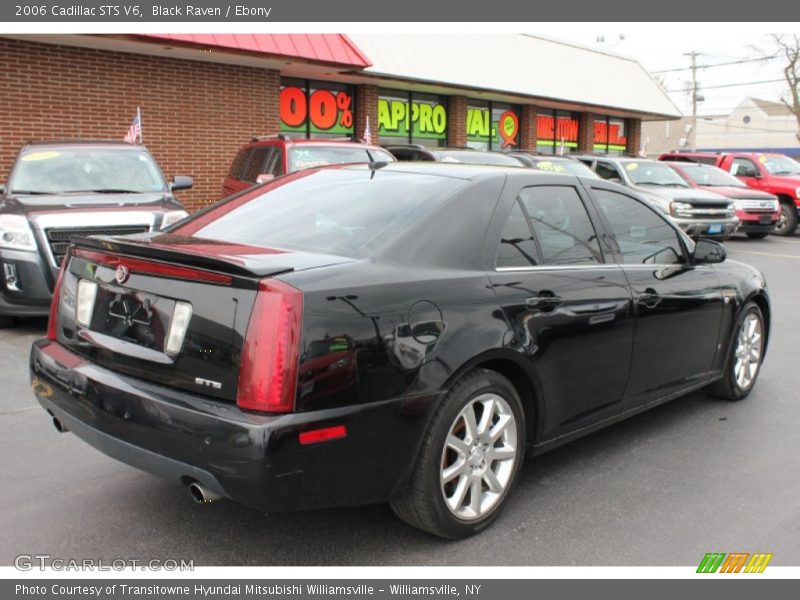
{"x":557,"y":132}
{"x":409,"y":117}
{"x":610,"y":136}
{"x":316,"y":109}
{"x":492,"y":125}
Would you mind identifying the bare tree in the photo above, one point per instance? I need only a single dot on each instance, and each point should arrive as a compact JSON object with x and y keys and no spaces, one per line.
{"x":788,"y":47}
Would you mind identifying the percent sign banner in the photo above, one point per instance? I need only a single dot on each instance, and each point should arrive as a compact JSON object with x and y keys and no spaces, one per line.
{"x":321,"y":111}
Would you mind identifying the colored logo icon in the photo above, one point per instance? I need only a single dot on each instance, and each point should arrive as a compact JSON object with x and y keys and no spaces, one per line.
{"x":734,"y":562}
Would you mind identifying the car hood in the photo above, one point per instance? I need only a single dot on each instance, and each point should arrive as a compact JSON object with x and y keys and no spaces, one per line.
{"x":694,"y":195}
{"x":739,"y":193}
{"x":55,"y":202}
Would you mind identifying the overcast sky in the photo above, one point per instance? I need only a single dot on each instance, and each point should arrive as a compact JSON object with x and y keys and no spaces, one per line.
{"x":662,"y":46}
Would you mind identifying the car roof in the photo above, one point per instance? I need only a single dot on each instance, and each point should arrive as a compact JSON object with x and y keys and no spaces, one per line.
{"x":457,"y":170}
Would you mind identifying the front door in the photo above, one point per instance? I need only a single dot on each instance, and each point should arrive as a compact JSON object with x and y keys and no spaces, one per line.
{"x":678,"y":306}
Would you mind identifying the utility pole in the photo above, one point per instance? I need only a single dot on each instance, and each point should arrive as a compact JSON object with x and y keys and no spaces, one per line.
{"x":693,"y":133}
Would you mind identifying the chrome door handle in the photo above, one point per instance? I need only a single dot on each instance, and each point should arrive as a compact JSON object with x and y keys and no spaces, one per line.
{"x":649,"y":299}
{"x":543,"y":302}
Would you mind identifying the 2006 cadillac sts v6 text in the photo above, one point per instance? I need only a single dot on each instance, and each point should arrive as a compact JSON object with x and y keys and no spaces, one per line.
{"x":399,"y":333}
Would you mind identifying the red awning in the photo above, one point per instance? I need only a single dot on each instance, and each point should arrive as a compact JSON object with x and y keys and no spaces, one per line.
{"x":332,"y":48}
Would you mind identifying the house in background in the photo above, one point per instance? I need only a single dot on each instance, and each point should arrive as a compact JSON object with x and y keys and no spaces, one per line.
{"x":754,"y":125}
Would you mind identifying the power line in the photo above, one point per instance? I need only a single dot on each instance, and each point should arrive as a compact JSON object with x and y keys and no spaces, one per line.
{"x":722,"y":64}
{"x":728,"y":85}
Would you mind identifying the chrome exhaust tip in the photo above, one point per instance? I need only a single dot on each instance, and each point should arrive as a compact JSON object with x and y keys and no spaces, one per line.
{"x":59,"y":426}
{"x":202,"y":495}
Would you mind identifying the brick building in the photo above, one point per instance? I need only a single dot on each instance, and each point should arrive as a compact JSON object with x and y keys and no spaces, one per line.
{"x":202,"y":96}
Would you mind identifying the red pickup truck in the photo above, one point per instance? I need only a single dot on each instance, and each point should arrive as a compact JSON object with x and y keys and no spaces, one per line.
{"x":774,"y":173}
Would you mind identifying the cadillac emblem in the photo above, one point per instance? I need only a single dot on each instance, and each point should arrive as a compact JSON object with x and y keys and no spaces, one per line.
{"x":122,"y":274}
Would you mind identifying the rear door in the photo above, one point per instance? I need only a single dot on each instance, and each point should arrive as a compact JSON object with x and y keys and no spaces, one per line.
{"x":678,"y":306}
{"x":567,"y":306}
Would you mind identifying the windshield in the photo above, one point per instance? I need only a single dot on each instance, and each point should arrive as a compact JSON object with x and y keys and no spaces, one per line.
{"x":653,"y":173}
{"x":100,"y":170}
{"x":572,"y":167}
{"x":780,"y":165}
{"x":473,"y":157}
{"x":710,"y":176}
{"x":345,"y":212}
{"x":310,"y":156}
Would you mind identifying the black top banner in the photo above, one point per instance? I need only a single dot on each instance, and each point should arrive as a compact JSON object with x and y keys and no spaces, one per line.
{"x":260,"y":11}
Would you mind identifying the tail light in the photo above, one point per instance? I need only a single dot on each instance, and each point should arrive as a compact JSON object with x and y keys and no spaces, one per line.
{"x":268,"y":375}
{"x":52,"y":321}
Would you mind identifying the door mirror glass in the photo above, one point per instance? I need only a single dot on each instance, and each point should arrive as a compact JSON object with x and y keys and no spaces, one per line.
{"x":708,"y":252}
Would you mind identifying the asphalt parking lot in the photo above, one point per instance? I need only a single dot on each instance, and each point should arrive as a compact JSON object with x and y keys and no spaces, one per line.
{"x":663,"y":488}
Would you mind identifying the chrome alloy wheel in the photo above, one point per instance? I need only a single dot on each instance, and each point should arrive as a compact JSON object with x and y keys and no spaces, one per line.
{"x":783,"y":219}
{"x":479,"y":457}
{"x":749,"y":347}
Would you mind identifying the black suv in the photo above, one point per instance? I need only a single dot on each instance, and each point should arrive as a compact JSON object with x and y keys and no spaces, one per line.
{"x":58,"y":190}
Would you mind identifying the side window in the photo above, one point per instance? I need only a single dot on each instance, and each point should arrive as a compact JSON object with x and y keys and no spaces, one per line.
{"x":257,"y":163}
{"x":607,"y":171}
{"x":643,"y":236}
{"x":743,"y":167}
{"x":561,"y":225}
{"x":517,"y":248}
{"x":237,"y":166}
{"x":274,"y":164}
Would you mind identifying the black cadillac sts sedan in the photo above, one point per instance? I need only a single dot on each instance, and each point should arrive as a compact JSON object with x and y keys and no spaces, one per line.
{"x":400,"y":333}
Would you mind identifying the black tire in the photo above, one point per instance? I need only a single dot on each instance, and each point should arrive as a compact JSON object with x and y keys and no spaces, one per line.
{"x":728,"y":387}
{"x":423,"y":504}
{"x":757,"y":236}
{"x":787,"y":224}
{"x":7,"y":321}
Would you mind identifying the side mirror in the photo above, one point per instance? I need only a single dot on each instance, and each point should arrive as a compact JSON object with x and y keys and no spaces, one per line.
{"x":181,"y":182}
{"x":707,"y":252}
{"x":614,"y":180}
{"x":265,"y":177}
{"x":2,"y":188}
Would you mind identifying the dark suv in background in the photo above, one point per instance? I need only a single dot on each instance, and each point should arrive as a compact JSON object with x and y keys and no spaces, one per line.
{"x":58,"y":190}
{"x":264,"y":158}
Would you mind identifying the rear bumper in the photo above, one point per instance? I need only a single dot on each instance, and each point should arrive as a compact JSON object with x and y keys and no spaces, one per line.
{"x":251,"y":458}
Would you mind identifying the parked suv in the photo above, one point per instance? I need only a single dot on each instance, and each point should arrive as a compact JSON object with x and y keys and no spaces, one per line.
{"x":416,"y":152}
{"x":57,"y":190}
{"x":264,"y":158}
{"x":773,"y":173}
{"x":698,"y":212}
{"x":757,"y":211}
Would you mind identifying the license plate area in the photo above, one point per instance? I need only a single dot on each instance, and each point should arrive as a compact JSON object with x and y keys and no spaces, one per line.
{"x":765,"y":219}
{"x":715,"y":228}
{"x":133,"y":316}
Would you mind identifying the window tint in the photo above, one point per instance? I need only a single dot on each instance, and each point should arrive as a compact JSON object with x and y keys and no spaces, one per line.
{"x":257,"y":163}
{"x":561,"y":225}
{"x":346,"y":212}
{"x":238,"y":164}
{"x":643,"y":236}
{"x":743,"y":167}
{"x":607,"y":171}
{"x":517,"y":248}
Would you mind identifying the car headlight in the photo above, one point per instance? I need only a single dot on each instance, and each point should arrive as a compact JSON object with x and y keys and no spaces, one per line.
{"x":797,"y":192}
{"x":730,"y":211}
{"x":172,"y":217}
{"x":680,"y":209}
{"x":16,"y":234}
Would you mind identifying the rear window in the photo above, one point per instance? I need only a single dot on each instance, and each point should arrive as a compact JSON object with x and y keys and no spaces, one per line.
{"x":571,"y":167}
{"x":345,"y":212}
{"x":310,"y":156}
{"x":472,"y":157}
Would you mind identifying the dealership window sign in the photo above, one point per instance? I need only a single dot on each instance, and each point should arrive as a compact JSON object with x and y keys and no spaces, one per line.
{"x":554,"y":128}
{"x":492,"y":126}
{"x":610,"y":136}
{"x":316,"y":109}
{"x":416,"y":118}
